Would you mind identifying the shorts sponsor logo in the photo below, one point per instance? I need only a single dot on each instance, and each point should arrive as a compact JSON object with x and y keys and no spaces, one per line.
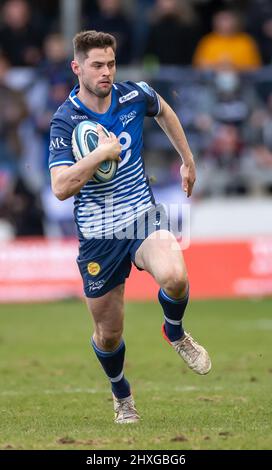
{"x":93,"y":268}
{"x":93,"y":286}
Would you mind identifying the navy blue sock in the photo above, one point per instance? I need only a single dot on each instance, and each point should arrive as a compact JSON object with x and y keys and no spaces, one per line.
{"x":173,"y":313}
{"x":112,"y":363}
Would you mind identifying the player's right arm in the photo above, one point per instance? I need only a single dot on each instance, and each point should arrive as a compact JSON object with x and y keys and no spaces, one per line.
{"x":66,"y":181}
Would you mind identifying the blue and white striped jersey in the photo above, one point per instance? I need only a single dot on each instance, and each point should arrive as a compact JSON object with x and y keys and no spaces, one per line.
{"x":102,"y":209}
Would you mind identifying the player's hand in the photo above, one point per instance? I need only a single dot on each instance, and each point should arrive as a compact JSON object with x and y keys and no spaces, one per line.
{"x":188,"y":175}
{"x":110,"y":143}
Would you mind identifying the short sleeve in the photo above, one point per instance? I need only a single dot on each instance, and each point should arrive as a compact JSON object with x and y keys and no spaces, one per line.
{"x":152,"y":100}
{"x":60,"y":148}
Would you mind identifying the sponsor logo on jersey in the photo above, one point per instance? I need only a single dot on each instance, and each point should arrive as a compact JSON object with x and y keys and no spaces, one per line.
{"x":126,"y":118}
{"x":129,"y":96}
{"x":57,"y":143}
{"x":96,"y":285}
{"x":78,"y":116}
{"x":93,"y":268}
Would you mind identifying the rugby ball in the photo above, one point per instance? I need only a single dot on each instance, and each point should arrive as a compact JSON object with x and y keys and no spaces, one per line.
{"x":84,"y":141}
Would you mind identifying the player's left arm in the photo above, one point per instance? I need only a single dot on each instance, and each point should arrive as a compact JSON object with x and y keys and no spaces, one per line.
{"x":170,"y":124}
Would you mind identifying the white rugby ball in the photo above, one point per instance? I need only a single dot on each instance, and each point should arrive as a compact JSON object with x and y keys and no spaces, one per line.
{"x":84,"y":141}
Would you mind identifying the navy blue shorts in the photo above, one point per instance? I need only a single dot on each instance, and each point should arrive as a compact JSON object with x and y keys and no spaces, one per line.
{"x":106,"y":263}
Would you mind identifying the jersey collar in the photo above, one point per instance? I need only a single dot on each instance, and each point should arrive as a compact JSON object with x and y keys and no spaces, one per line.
{"x":79,"y":105}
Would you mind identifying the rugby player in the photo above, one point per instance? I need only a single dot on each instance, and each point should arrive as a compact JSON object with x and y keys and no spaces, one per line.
{"x":113,"y":218}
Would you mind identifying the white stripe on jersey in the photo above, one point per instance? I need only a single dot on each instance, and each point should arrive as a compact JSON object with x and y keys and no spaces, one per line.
{"x":63,"y":162}
{"x":104,"y":186}
{"x":92,"y":208}
{"x":122,"y":208}
{"x":93,"y":229}
{"x":126,"y":167}
{"x":117,"y":186}
{"x":123,"y":223}
{"x":112,"y":210}
{"x":127,"y":196}
{"x":105,"y":208}
{"x":97,"y":213}
{"x":71,"y":97}
{"x":101,"y":208}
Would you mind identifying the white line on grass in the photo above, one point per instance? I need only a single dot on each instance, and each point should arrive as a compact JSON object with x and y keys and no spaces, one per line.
{"x":261,"y":324}
{"x":96,"y":390}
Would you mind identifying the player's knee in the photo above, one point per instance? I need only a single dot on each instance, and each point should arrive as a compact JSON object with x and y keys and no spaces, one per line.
{"x":108,"y":340}
{"x":174,"y":283}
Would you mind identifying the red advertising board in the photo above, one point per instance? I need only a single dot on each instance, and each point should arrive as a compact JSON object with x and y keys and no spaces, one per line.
{"x":39,"y":270}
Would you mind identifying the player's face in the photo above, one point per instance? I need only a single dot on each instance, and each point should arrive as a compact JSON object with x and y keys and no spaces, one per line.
{"x":98,"y":70}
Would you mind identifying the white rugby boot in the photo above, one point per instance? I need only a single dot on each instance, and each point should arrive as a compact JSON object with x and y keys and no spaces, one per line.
{"x":124,"y":410}
{"x":193,"y":354}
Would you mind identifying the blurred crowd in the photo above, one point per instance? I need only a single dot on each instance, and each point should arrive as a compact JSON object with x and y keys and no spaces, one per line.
{"x":211,"y":60}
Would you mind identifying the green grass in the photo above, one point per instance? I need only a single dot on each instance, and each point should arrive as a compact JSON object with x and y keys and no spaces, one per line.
{"x":53,"y":394}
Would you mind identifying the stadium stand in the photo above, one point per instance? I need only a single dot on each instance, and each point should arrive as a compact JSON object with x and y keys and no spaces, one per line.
{"x":226,"y":113}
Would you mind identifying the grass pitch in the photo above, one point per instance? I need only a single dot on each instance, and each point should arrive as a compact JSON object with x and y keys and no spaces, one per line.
{"x":53,"y":394}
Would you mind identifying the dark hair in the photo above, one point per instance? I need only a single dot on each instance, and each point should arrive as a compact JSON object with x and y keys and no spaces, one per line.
{"x":86,"y":40}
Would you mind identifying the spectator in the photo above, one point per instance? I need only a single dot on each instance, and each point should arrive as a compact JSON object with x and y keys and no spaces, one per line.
{"x":58,"y":91}
{"x":259,"y":25}
{"x":111,"y":18}
{"x":227,"y":45}
{"x":48,"y":12}
{"x":225,"y":147}
{"x":17,"y":203}
{"x":206,"y":9}
{"x":56,"y":61}
{"x":259,"y":128}
{"x":20,"y":35}
{"x":228,"y":98}
{"x":13,"y":112}
{"x":223,"y":160}
{"x":263,"y":35}
{"x":23,"y":211}
{"x":256,"y":168}
{"x":142,"y":10}
{"x":57,"y":80}
{"x":256,"y":162}
{"x":173,"y":34}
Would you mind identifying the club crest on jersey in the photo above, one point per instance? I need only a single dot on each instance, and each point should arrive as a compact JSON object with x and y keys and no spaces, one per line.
{"x":128,"y":96}
{"x":126,"y":118}
{"x":93,"y":268}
